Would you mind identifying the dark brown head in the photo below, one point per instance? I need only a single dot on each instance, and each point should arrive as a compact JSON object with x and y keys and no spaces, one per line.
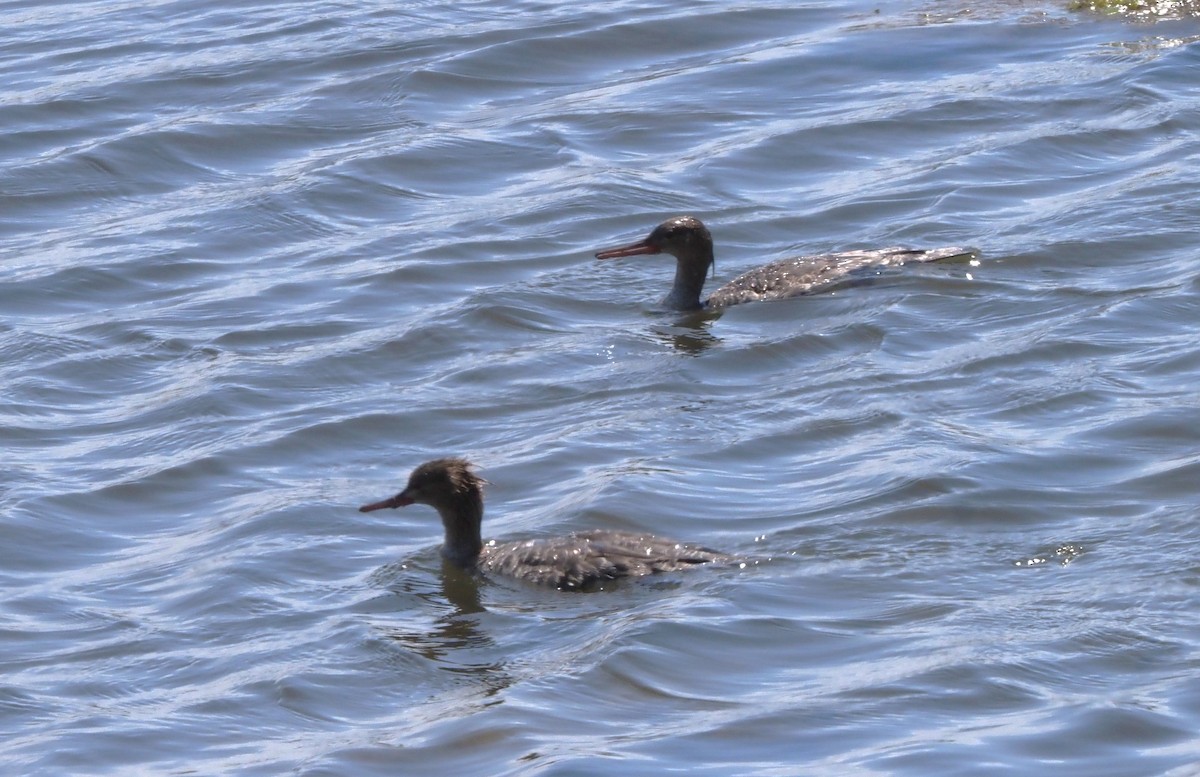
{"x":683,"y":237}
{"x":449,"y":483}
{"x":451,"y":487}
{"x":686,"y":239}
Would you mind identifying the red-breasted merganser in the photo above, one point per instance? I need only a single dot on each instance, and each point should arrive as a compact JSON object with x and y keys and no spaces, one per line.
{"x":573,"y":562}
{"x":689,"y":241}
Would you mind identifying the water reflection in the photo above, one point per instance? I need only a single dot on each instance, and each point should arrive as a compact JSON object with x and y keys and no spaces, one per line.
{"x":456,"y":640}
{"x":691,"y":334}
{"x":461,"y":588}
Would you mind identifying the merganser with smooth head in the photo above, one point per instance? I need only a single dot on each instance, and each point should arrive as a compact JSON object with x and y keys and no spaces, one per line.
{"x":577,"y":561}
{"x":689,"y":241}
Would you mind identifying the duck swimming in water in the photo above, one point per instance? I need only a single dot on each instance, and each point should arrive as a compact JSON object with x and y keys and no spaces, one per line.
{"x":576,"y":561}
{"x":689,"y":241}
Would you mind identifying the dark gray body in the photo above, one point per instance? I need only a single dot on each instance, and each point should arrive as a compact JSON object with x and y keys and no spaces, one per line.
{"x":809,"y":274}
{"x":589,"y":558}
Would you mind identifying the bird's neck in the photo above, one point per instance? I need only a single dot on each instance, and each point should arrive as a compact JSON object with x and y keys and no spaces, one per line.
{"x":463,"y":521}
{"x":690,"y":274}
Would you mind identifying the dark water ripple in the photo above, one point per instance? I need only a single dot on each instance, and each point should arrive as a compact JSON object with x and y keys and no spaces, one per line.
{"x":259,"y":260}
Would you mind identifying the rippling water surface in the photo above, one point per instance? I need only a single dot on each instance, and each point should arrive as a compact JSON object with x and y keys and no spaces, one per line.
{"x":260,"y":259}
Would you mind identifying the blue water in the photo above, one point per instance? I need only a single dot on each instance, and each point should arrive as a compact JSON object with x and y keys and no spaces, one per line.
{"x":260,"y":260}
